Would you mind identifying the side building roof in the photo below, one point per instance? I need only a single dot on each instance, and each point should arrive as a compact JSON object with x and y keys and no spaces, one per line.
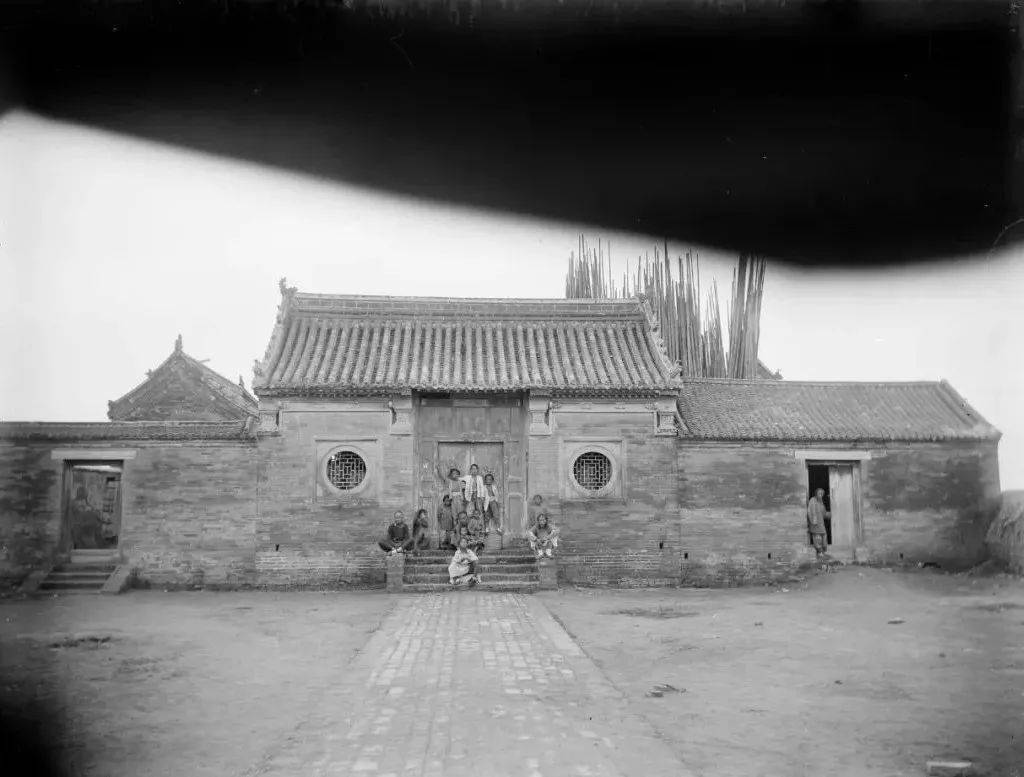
{"x":184,"y":389}
{"x":719,"y":409}
{"x":115,"y":431}
{"x":340,"y":344}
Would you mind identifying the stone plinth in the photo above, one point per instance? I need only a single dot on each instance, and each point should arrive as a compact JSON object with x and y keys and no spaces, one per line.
{"x":548,"y":571}
{"x":395,"y":568}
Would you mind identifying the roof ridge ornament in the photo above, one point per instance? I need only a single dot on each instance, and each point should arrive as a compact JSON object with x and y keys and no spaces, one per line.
{"x":177,"y":344}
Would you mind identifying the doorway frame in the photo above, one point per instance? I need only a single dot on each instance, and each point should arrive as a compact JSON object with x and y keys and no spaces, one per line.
{"x":856,"y":498}
{"x":68,"y":457}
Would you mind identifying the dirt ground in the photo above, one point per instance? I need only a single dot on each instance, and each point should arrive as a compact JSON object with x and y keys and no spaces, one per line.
{"x":154,"y":683}
{"x":807,"y":679}
{"x":812,"y":677}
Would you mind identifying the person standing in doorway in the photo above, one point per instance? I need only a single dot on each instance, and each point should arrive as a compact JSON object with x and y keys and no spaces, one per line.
{"x":816,"y":515}
{"x":473,"y":489}
{"x":446,"y":524}
{"x":453,"y":489}
{"x":492,"y":505}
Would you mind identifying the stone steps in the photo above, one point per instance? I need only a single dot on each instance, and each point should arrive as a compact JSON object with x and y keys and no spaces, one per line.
{"x":520,"y":586}
{"x":484,"y":568}
{"x":507,"y":569}
{"x":497,"y":577}
{"x":87,"y":572}
{"x":83,"y":568}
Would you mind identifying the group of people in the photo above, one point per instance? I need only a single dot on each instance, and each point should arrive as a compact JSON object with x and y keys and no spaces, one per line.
{"x":470,"y":510}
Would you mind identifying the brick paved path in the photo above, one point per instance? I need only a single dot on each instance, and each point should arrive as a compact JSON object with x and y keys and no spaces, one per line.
{"x":470,"y":683}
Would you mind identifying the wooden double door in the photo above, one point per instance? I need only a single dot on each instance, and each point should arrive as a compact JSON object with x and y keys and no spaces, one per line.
{"x":461,"y":431}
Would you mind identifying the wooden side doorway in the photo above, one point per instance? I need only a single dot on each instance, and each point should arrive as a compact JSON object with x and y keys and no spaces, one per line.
{"x":843,"y":499}
{"x":92,"y":505}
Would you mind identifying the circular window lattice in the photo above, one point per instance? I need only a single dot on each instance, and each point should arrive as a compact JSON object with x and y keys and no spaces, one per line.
{"x":346,"y":470}
{"x":592,"y":470}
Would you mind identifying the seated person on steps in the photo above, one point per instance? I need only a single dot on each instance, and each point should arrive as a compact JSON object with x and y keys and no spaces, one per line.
{"x":543,"y":536}
{"x":398,"y":538}
{"x":420,"y":531}
{"x":462,"y":568}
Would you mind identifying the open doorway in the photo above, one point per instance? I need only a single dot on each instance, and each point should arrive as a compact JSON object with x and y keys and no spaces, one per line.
{"x":840,"y":480}
{"x":92,"y":512}
{"x":817,"y":477}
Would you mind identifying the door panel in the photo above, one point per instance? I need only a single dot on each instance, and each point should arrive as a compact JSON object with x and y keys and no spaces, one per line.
{"x":844,"y":518}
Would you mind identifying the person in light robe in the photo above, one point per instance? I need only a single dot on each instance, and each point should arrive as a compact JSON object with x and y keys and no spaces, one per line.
{"x":462,"y":569}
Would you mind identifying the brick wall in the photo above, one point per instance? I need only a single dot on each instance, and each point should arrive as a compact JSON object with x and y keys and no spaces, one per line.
{"x":741,"y":517}
{"x":741,"y":502}
{"x":930,"y":502}
{"x":627,"y":539}
{"x":1005,"y":538}
{"x":30,"y":504}
{"x":187,"y":516}
{"x":189,"y":513}
{"x":308,"y":535}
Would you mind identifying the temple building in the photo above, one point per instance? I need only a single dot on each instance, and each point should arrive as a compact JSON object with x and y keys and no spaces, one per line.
{"x":365,"y":403}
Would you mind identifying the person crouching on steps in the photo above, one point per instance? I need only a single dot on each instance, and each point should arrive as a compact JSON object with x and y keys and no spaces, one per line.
{"x":462,"y":568}
{"x":543,"y":536}
{"x":420,"y":531}
{"x":398,"y":538}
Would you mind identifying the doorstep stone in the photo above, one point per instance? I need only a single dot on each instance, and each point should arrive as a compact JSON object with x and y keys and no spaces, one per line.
{"x":949,"y":768}
{"x":548,"y":571}
{"x":395,"y":568}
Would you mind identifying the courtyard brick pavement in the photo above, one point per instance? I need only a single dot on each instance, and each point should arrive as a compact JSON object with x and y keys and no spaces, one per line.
{"x":469,"y":683}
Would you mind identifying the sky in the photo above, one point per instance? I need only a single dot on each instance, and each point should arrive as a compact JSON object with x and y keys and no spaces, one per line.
{"x":112,"y":246}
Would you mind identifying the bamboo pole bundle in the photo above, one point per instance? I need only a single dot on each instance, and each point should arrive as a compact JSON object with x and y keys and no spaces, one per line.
{"x":689,"y":320}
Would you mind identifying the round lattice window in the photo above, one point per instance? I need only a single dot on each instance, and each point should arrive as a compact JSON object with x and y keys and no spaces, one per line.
{"x":592,"y":470}
{"x":345,"y":470}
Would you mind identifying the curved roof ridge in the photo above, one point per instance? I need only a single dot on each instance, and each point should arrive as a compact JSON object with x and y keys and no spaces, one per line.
{"x":786,"y":382}
{"x":729,"y":409}
{"x":501,"y":300}
{"x":295,"y":365}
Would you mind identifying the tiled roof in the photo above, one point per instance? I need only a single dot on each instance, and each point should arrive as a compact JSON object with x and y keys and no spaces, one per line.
{"x":326,"y":344}
{"x":789,"y":410}
{"x":183,"y":389}
{"x":127,"y":430}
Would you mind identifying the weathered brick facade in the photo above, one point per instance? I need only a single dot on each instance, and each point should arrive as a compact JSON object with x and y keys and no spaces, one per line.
{"x":710,"y":491}
{"x":188,"y":500}
{"x":629,"y":537}
{"x":743,"y":506}
{"x":308,"y":534}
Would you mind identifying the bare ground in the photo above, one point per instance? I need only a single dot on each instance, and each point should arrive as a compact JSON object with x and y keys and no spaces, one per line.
{"x":173,"y":683}
{"x":756,"y":681}
{"x":813,"y":678}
